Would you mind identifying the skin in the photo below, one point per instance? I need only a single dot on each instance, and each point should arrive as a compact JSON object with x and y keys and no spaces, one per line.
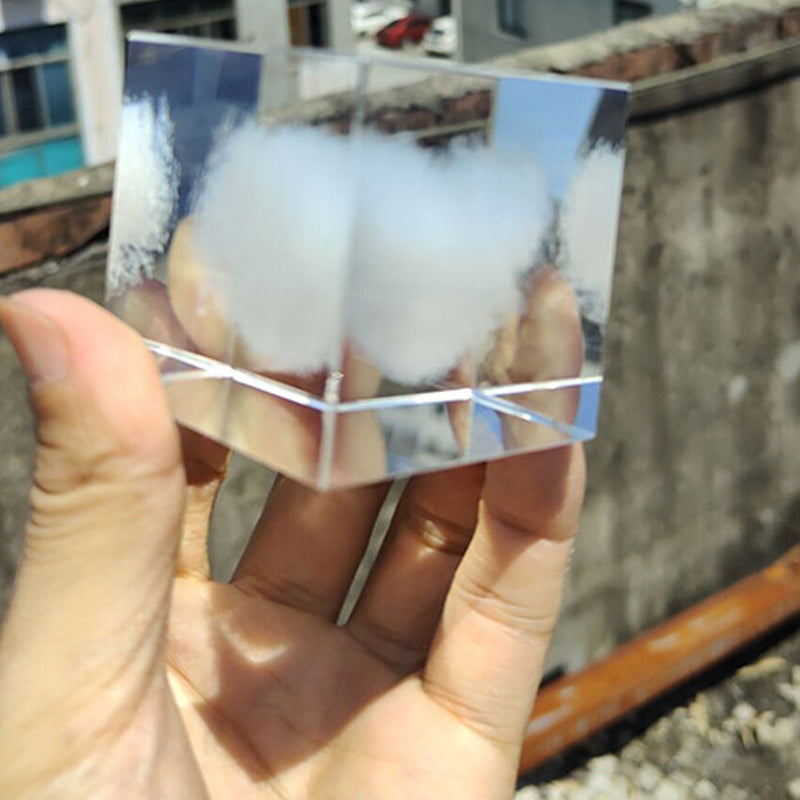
{"x":126,"y":672}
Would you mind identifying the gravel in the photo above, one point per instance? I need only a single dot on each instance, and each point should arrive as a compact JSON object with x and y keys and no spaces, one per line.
{"x":738,"y":739}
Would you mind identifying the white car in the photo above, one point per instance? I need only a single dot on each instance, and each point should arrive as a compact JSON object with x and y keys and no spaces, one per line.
{"x":442,"y":38}
{"x":367,"y":18}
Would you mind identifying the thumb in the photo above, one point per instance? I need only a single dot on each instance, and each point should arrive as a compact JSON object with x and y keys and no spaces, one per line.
{"x":90,"y":602}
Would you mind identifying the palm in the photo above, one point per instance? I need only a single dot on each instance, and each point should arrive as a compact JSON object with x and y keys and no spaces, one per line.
{"x":281,"y":702}
{"x":287,"y":705}
{"x":424,"y":693}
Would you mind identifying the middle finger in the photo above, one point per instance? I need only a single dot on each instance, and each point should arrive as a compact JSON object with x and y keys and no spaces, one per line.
{"x":307,"y":545}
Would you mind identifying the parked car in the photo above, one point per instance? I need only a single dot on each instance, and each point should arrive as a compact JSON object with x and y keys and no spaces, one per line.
{"x":367,"y":18}
{"x":442,"y":38}
{"x":411,"y":28}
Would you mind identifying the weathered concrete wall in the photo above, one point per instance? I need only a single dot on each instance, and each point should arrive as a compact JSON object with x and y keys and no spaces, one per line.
{"x":695,"y":477}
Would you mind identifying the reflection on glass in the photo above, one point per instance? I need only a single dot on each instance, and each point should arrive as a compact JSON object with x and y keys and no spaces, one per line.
{"x":398,"y":270}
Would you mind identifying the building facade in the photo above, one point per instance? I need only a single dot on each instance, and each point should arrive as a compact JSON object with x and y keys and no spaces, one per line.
{"x":61,"y":65}
{"x":495,"y":27}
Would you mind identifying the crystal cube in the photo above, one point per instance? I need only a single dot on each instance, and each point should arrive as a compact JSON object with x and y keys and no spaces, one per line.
{"x":353,"y":268}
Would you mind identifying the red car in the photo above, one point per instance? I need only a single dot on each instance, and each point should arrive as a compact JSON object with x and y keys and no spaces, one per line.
{"x":408,"y":29}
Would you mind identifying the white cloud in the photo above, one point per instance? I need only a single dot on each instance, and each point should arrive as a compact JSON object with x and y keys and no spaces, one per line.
{"x":272,"y":222}
{"x":441,"y":244}
{"x":589,"y":229}
{"x":145,"y":192}
{"x":429,"y":248}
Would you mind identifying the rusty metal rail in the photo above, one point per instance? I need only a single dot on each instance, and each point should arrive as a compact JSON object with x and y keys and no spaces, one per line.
{"x":576,"y":706}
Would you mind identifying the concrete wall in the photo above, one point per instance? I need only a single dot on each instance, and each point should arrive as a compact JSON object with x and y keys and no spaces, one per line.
{"x":695,"y":475}
{"x":262,"y":23}
{"x":340,"y":33}
{"x":96,"y":49}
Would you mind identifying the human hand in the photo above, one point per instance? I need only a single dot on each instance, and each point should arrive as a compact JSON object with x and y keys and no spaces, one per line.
{"x":125,"y":671}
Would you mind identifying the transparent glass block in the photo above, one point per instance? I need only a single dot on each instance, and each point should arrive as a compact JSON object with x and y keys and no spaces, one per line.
{"x":354,"y":269}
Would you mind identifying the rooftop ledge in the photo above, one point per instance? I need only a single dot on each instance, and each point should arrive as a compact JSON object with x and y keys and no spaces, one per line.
{"x":672,"y":61}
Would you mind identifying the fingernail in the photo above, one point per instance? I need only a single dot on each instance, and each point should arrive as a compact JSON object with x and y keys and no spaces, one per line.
{"x":39,"y":343}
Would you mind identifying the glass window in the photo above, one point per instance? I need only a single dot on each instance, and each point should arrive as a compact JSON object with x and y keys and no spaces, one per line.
{"x":307,"y":24}
{"x":21,"y":165}
{"x":35,"y":86}
{"x":58,"y":93}
{"x":26,"y":97}
{"x":177,"y":8}
{"x":47,"y":40}
{"x":37,"y":107}
{"x":136,"y":15}
{"x":207,"y":18}
{"x":316,"y":25}
{"x":511,"y":17}
{"x":224,"y":29}
{"x":4,"y":125}
{"x":48,"y":158}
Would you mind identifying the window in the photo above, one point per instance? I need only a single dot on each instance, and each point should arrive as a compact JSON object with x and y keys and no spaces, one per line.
{"x":38,"y":126}
{"x":511,"y":17}
{"x":210,"y":19}
{"x":307,"y":23}
{"x":628,"y":10}
{"x":35,"y":87}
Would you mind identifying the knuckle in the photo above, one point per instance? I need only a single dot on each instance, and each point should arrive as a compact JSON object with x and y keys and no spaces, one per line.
{"x":275,"y":588}
{"x":402,"y":650}
{"x":76,"y":452}
{"x":436,"y":533}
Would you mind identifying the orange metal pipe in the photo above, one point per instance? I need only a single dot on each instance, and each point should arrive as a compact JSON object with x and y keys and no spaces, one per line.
{"x":573,"y":707}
